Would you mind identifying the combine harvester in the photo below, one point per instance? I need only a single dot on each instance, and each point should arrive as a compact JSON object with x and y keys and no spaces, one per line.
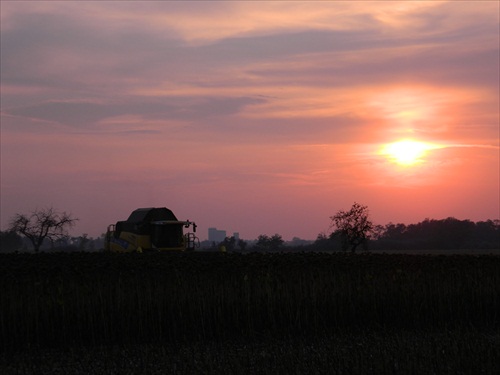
{"x":151,"y":229}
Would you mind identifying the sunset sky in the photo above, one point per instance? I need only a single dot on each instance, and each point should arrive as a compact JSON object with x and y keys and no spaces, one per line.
{"x":253,"y":117}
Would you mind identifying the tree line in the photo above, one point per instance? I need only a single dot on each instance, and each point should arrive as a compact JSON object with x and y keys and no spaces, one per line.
{"x":445,"y":234}
{"x":349,"y":230}
{"x":352,"y":229}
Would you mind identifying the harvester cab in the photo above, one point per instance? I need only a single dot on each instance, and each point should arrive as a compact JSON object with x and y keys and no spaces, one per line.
{"x":151,"y":229}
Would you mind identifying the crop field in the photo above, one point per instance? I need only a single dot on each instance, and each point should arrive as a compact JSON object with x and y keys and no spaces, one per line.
{"x":249,"y":313}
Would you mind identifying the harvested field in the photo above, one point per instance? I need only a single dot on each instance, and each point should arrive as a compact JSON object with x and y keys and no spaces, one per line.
{"x":453,"y":352}
{"x":195,"y":311}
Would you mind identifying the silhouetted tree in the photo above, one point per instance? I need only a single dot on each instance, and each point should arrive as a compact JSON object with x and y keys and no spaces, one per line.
{"x":487,"y":234}
{"x":326,"y":242}
{"x":228,"y":243}
{"x":264,"y":242}
{"x":242,"y":244}
{"x":83,"y":241}
{"x":353,"y":226}
{"x":42,"y":224}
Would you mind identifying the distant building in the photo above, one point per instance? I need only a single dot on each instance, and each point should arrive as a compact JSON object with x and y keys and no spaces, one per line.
{"x":236,"y":236}
{"x":215,"y":235}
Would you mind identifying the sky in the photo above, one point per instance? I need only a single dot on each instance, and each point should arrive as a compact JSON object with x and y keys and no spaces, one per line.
{"x":257,"y":117}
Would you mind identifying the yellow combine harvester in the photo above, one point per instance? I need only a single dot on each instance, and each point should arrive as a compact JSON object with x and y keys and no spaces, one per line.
{"x":150,"y":229}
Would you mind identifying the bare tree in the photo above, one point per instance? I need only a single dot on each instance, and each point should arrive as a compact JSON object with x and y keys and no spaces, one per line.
{"x":42,"y":224}
{"x":352,"y":226}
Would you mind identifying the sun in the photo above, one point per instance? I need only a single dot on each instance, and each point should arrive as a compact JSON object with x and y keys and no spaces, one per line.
{"x":406,"y":152}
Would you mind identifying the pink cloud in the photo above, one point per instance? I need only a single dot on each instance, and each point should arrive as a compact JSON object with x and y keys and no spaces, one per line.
{"x":252,"y":117}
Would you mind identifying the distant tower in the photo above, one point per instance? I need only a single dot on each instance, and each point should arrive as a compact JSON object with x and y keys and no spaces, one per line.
{"x":215,"y":235}
{"x":236,"y":236}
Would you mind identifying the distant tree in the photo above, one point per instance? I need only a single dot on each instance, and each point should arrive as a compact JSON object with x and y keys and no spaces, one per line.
{"x":394,"y":231}
{"x":10,"y":241}
{"x":228,"y":243}
{"x":487,"y":234}
{"x":64,"y":243}
{"x":353,"y":226}
{"x":444,"y":234}
{"x":83,"y":241}
{"x":298,"y":242}
{"x":42,"y":224}
{"x":277,"y":241}
{"x":322,"y":237}
{"x":377,"y":232}
{"x":264,"y":242}
{"x":325,"y":242}
{"x":242,"y":244}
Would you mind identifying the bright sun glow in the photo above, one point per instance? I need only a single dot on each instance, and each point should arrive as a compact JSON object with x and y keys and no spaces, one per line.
{"x":407,"y":152}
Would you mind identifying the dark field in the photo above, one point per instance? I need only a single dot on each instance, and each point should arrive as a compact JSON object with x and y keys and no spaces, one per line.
{"x":255,"y":313}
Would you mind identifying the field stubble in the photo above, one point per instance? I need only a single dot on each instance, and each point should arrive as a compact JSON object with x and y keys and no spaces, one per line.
{"x":396,"y":307}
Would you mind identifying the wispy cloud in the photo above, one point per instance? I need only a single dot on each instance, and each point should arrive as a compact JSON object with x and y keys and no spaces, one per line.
{"x":276,"y":101}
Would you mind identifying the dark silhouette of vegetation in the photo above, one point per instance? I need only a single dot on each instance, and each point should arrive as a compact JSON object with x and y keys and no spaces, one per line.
{"x":351,"y":230}
{"x":266,"y":243}
{"x":242,"y":244}
{"x":445,"y":234}
{"x":42,"y":224}
{"x":430,"y":234}
{"x":10,"y":241}
{"x":353,"y":226}
{"x":232,"y":244}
